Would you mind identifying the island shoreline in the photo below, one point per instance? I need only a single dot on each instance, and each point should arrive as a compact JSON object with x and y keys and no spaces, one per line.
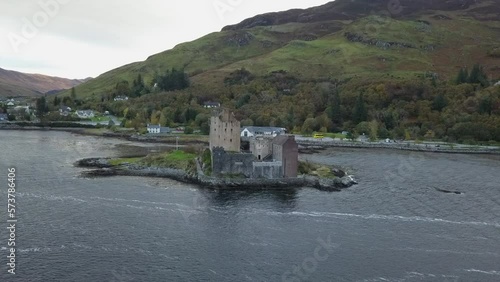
{"x":100,"y":167}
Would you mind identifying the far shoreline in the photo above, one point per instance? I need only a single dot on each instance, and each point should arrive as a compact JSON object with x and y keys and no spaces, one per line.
{"x":305,"y":146}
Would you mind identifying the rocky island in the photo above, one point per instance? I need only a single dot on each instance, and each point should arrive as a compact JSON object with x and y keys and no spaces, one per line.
{"x":188,"y":167}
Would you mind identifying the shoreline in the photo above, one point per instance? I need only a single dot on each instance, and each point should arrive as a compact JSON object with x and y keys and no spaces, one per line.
{"x":321,"y":145}
{"x":100,"y":167}
{"x":306,"y":146}
{"x":124,"y":136}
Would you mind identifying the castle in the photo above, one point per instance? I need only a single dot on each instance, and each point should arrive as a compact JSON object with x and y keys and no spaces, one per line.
{"x":269,"y":157}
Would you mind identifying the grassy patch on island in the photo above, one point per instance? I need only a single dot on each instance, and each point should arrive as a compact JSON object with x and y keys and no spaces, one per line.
{"x":307,"y":168}
{"x":173,"y":159}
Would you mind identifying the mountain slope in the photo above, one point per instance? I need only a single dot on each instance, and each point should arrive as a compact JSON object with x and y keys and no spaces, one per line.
{"x":341,"y":39}
{"x":14,"y":83}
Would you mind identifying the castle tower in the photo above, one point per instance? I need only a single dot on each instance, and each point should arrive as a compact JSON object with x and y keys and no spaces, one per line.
{"x":224,"y":130}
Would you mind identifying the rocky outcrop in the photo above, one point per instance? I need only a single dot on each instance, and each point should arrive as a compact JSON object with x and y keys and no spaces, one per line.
{"x":240,"y":39}
{"x":353,"y":37}
{"x":94,"y":163}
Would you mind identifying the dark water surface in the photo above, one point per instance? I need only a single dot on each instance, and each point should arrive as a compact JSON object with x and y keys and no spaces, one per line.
{"x":393,"y":226}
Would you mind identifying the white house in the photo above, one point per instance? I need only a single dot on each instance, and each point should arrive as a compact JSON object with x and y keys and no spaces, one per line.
{"x":253,"y":131}
{"x":121,"y":98}
{"x":158,"y":129}
{"x":85,"y":114}
{"x":211,"y":105}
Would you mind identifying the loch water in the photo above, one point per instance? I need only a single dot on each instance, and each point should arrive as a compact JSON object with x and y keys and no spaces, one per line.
{"x":397,"y":224}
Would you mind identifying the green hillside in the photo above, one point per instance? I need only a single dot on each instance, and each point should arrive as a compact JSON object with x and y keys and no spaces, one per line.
{"x":430,"y":40}
{"x":284,"y":68}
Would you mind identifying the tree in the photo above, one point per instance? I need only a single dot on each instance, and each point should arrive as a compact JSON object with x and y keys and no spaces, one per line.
{"x":155,"y":117}
{"x":138,"y":86}
{"x":308,"y":126}
{"x":173,"y":80}
{"x":462,"y":76}
{"x":383,"y":132}
{"x":486,"y":105}
{"x":334,"y":109}
{"x":41,"y":106}
{"x":360,"y":112}
{"x":57,"y":101}
{"x":363,"y":128}
{"x":122,"y":89}
{"x":478,"y":76}
{"x":439,"y":103}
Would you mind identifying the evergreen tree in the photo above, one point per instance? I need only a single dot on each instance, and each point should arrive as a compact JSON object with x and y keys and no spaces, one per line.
{"x":462,"y":76}
{"x":57,"y":101}
{"x":478,"y":76}
{"x":335,"y":109}
{"x":138,"y":86}
{"x":360,"y":112}
{"x":41,"y":106}
{"x":173,"y":80}
{"x":439,"y":103}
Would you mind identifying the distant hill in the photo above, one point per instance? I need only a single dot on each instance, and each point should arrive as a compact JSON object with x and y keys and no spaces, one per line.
{"x":13,"y":83}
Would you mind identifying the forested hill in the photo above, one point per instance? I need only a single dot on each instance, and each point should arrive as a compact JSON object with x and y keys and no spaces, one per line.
{"x":395,"y":68}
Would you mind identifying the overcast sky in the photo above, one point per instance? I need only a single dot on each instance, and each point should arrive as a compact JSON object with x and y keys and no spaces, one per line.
{"x":82,"y":38}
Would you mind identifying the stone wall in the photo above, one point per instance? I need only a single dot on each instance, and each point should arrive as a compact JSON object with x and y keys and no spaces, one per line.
{"x":231,"y":163}
{"x":261,"y":147}
{"x":268,"y":170}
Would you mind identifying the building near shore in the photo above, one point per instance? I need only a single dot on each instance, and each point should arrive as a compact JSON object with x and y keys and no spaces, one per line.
{"x":286,"y":151}
{"x":271,"y":156}
{"x":158,"y":129}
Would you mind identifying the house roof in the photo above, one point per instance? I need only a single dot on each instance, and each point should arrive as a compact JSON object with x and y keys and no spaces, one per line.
{"x":282,"y":139}
{"x":259,"y":129}
{"x":155,"y":126}
{"x":210,"y":103}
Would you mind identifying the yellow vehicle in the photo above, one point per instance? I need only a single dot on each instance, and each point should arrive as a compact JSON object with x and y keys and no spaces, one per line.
{"x":318,"y":136}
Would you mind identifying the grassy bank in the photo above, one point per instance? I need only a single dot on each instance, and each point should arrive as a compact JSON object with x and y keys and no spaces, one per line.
{"x":178,"y":159}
